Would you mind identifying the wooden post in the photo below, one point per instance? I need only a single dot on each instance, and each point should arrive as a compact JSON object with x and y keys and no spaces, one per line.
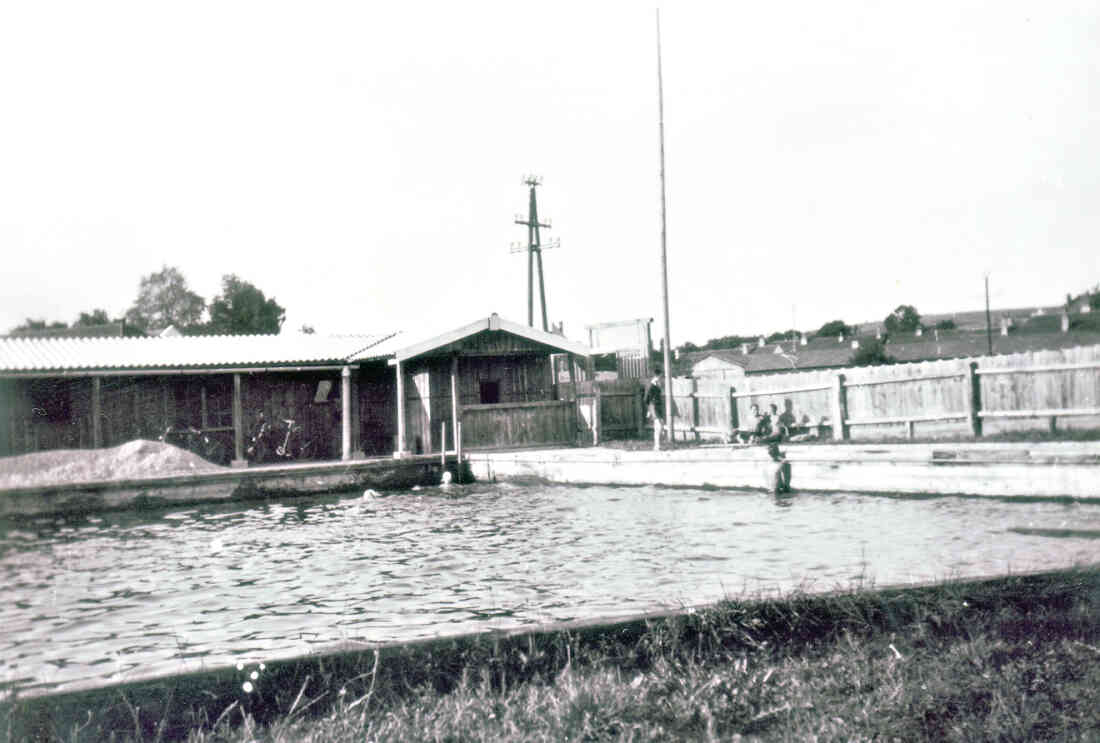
{"x":576,"y":399}
{"x":454,"y":403}
{"x":596,"y":412}
{"x":694,"y":408}
{"x":345,"y":413}
{"x":400,"y":410}
{"x":639,"y":396}
{"x":356,"y":417}
{"x":840,"y":409}
{"x":731,"y":416}
{"x":97,"y":413}
{"x":458,"y":450}
{"x":973,"y":393}
{"x":443,"y":443}
{"x":909,"y":429}
{"x":238,"y":424}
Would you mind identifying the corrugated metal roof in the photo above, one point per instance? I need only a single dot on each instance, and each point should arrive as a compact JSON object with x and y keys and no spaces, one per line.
{"x":212,"y":351}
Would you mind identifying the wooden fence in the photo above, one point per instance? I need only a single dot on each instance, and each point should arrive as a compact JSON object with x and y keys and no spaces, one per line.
{"x":1037,"y":390}
{"x":610,"y":409}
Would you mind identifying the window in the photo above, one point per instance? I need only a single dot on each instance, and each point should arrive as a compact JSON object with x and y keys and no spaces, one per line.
{"x":324,"y":389}
{"x":490,"y":392}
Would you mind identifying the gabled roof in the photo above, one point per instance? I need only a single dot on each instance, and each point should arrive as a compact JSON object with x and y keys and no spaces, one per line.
{"x":552,"y":341}
{"x":735,"y":358}
{"x":188,"y":352}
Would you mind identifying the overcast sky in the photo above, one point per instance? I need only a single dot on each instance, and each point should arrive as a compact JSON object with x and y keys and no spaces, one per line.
{"x":361,"y":163}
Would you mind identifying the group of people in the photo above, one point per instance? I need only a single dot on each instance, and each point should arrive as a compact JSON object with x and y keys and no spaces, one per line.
{"x":770,"y":428}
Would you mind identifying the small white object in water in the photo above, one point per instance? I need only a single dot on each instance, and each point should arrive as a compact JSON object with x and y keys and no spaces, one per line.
{"x":370,"y":493}
{"x":446,"y":479}
{"x":416,"y":487}
{"x":247,"y":686}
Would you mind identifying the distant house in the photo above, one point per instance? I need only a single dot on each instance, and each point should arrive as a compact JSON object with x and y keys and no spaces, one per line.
{"x":1032,"y":329}
{"x":721,"y":364}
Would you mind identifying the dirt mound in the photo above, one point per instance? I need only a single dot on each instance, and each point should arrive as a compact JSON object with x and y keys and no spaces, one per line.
{"x":132,"y":460}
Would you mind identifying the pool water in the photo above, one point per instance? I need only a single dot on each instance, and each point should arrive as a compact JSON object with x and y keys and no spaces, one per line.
{"x":119,"y":596}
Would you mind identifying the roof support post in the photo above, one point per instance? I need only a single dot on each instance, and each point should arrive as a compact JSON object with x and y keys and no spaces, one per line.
{"x":345,"y":413}
{"x":576,"y":399}
{"x":454,"y":403}
{"x":238,"y":424}
{"x":400,"y":410}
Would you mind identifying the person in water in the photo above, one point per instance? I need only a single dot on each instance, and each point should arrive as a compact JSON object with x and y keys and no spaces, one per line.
{"x":779,"y":479}
{"x":654,"y":402}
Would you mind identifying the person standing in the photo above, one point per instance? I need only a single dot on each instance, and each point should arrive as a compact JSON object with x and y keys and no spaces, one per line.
{"x":654,"y":402}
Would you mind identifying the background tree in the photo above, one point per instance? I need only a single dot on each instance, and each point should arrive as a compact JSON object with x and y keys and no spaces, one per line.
{"x":32,"y":324}
{"x":95,"y":317}
{"x":242,"y":308}
{"x":871,"y":353}
{"x":785,"y":335}
{"x":165,"y":299}
{"x":904,"y":319}
{"x":835,"y":327}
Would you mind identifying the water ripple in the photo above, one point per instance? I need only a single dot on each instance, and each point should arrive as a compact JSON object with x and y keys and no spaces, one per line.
{"x":124,"y":595}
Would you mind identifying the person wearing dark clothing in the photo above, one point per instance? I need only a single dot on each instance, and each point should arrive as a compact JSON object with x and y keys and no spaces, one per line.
{"x":654,"y":403}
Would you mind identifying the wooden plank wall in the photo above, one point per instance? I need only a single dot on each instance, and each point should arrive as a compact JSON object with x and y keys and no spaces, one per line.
{"x":378,"y":409}
{"x":518,"y":424}
{"x":521,"y":379}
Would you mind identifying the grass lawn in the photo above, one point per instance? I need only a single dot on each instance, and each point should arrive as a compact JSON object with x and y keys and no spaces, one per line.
{"x":1012,"y":659}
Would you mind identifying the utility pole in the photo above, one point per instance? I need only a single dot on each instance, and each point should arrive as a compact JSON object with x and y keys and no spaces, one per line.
{"x":534,"y":250}
{"x":664,"y":231}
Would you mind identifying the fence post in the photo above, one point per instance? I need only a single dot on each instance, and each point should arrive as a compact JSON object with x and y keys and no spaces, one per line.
{"x":596,"y":412}
{"x":639,"y":408}
{"x":973,"y":399}
{"x":731,"y":415}
{"x":840,"y":409}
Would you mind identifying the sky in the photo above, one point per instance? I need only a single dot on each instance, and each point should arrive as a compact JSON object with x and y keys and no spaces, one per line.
{"x":362,"y":163}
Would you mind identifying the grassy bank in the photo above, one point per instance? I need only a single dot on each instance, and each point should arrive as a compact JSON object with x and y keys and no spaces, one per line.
{"x":1009,"y":659}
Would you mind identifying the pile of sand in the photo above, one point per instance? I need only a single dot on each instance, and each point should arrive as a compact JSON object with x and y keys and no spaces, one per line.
{"x":132,"y":460}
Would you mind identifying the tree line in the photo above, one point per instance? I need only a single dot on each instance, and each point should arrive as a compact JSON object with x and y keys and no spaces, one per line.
{"x":164,"y":299}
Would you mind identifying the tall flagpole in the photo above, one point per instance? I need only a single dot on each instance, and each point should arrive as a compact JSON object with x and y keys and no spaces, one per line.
{"x":664,"y":230}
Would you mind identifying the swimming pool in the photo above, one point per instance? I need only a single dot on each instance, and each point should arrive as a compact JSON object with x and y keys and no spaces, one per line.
{"x":120,"y":596}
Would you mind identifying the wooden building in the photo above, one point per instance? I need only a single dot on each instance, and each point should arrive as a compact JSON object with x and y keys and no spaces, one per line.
{"x":493,"y":376}
{"x":285,"y":397}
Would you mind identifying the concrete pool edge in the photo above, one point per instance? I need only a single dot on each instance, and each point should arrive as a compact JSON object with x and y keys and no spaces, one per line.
{"x":208,"y":693}
{"x":1005,"y":470}
{"x":227,"y":485}
{"x":1067,"y":470}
